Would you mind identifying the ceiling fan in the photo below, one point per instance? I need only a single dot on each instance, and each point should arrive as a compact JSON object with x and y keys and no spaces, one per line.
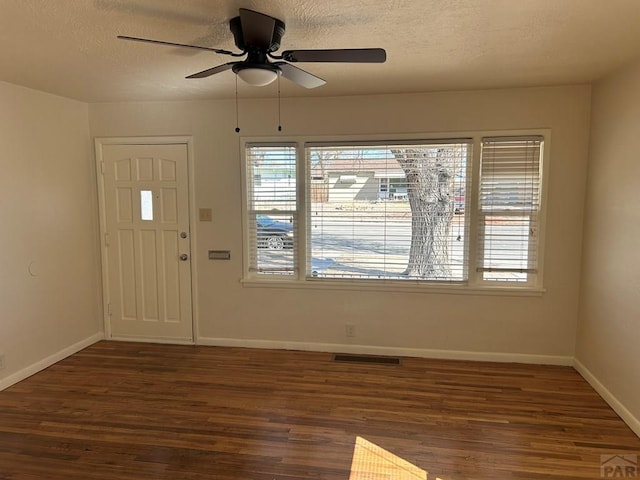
{"x":258,"y":36}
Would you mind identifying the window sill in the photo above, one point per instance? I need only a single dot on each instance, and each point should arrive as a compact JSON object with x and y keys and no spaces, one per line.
{"x":403,"y":287}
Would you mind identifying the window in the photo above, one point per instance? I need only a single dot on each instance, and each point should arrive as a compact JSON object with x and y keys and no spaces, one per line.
{"x":146,"y":205}
{"x":272,"y":208}
{"x":410,"y":232}
{"x":508,"y":218}
{"x":398,"y":212}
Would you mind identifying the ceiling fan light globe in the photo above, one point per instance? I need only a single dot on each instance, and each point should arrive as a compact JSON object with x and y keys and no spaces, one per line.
{"x":257,"y":77}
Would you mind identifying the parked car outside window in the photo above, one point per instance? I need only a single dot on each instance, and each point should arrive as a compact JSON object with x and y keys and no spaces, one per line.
{"x":273,"y":234}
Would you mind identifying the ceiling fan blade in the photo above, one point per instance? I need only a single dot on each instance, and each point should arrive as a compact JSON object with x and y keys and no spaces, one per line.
{"x":172,"y":44}
{"x":347,"y":55}
{"x":212,"y":71}
{"x":257,"y":28}
{"x":299,"y":76}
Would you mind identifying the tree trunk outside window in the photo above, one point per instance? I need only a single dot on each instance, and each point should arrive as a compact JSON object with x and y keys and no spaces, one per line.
{"x":430,"y":179}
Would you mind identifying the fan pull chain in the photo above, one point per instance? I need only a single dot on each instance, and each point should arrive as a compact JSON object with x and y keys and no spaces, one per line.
{"x":237,"y":116}
{"x":279,"y":101}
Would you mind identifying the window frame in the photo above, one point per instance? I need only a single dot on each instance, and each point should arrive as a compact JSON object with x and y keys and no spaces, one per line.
{"x":534,"y":248}
{"x":249,"y":213}
{"x":473,"y":285}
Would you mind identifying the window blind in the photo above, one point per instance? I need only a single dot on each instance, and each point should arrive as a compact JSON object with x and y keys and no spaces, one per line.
{"x":509,"y":207}
{"x":271,"y":208}
{"x":387,"y":211}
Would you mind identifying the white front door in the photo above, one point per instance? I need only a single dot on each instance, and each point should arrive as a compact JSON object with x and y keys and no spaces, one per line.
{"x":147,"y":241}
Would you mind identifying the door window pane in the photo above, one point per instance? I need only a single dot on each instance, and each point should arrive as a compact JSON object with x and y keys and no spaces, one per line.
{"x":146,"y":205}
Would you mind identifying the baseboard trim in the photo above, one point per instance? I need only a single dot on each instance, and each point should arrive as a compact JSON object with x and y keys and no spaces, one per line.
{"x":610,"y":398}
{"x":393,"y":351}
{"x":50,"y":360}
{"x":167,"y":341}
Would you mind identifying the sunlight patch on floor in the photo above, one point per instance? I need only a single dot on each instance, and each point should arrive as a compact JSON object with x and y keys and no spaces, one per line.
{"x":371,"y":462}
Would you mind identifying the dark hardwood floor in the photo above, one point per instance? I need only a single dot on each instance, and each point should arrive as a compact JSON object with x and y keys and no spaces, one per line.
{"x":132,"y":411}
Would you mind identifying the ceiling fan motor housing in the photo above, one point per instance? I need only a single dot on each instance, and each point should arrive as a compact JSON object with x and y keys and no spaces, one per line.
{"x":235,"y":26}
{"x":257,"y":36}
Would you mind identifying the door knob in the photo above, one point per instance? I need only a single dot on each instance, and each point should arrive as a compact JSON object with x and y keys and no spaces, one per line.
{"x":184,"y":257}
{"x":184,"y":235}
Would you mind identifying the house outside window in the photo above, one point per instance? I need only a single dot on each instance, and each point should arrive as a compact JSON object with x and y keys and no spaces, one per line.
{"x":461,"y":212}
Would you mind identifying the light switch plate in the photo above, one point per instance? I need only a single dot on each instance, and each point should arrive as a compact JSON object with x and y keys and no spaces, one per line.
{"x":206,"y":215}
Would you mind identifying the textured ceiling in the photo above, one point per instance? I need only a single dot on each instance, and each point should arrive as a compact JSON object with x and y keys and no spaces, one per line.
{"x":69,"y":47}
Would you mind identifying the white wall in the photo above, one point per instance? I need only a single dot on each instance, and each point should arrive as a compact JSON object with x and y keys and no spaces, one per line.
{"x":544,"y":325}
{"x":47,"y":213}
{"x":608,"y":344}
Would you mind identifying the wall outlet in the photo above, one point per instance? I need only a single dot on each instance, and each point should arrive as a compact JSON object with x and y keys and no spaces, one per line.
{"x":350,"y":330}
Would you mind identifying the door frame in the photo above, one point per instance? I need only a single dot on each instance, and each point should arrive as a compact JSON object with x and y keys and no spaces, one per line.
{"x":106,"y":298}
